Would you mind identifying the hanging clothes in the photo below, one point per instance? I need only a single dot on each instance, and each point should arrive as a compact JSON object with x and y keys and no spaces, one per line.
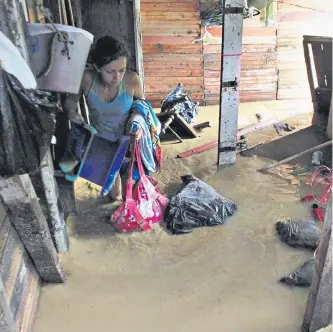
{"x":27,"y":124}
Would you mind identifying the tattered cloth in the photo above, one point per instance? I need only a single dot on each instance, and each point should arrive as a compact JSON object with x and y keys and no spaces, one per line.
{"x":27,"y":124}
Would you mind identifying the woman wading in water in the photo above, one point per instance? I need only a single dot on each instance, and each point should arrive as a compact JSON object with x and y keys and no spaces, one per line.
{"x":110,"y":91}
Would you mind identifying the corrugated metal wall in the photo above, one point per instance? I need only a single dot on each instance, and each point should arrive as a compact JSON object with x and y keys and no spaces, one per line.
{"x":18,"y":275}
{"x":168,"y":29}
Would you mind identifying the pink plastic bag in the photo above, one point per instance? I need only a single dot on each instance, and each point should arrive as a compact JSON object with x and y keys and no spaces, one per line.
{"x":128,"y":218}
{"x":147,"y":205}
{"x":149,"y":200}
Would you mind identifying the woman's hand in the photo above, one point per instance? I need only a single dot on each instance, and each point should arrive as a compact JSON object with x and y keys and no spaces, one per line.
{"x":138,"y":133}
{"x":76,"y":118}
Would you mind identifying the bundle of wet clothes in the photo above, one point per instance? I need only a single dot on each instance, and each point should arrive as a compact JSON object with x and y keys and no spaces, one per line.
{"x":302,"y":234}
{"x":196,"y":205}
{"x":178,"y":100}
{"x":27,"y":124}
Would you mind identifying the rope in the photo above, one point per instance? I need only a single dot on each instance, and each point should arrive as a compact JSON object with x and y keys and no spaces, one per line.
{"x":325,"y":180}
{"x":61,"y":36}
{"x":326,"y":195}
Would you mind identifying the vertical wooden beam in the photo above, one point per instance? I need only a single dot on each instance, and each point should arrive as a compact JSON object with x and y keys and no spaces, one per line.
{"x":318,"y":313}
{"x":230,"y":75}
{"x":7,"y":322}
{"x":138,"y":40}
{"x":78,"y":13}
{"x":18,"y":194}
{"x":47,"y":192}
{"x":329,"y":123}
{"x":13,"y":26}
{"x":309,"y":68}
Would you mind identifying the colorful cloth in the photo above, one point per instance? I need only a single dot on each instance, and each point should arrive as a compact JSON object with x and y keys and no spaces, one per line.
{"x":150,"y":146}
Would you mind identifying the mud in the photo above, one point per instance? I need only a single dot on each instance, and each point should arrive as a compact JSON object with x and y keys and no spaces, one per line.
{"x":215,"y":279}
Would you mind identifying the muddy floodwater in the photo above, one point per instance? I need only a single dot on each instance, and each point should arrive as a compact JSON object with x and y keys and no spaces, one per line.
{"x":214,"y":279}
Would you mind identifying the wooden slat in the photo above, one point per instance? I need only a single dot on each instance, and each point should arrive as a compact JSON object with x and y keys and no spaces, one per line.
{"x":4,"y":233}
{"x":293,"y":23}
{"x":169,"y":7}
{"x":208,"y":49}
{"x":152,"y":24}
{"x":168,"y":40}
{"x":174,"y":72}
{"x":11,"y":262}
{"x":166,"y":88}
{"x":173,"y":49}
{"x":171,"y":33}
{"x":173,"y":57}
{"x":253,"y":40}
{"x":22,"y":278}
{"x":174,"y":80}
{"x":168,"y":1}
{"x":169,"y":16}
{"x":30,"y":305}
{"x":217,"y":31}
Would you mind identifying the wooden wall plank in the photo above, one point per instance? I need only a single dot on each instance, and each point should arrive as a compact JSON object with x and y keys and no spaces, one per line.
{"x":168,"y":29}
{"x":258,"y":81}
{"x":169,"y":7}
{"x":294,"y":21}
{"x":272,"y":61}
{"x":16,"y":273}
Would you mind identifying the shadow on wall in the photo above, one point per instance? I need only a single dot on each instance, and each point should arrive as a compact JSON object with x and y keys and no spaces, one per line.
{"x":115,"y":18}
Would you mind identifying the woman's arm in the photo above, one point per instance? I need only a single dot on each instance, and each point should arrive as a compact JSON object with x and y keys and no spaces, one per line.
{"x":71,"y":100}
{"x":137,"y":94}
{"x":138,"y":89}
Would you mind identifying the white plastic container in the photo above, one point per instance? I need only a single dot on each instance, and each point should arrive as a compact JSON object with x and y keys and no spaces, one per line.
{"x":56,"y":69}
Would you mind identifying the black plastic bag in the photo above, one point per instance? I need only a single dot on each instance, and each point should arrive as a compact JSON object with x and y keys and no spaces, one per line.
{"x":27,"y":123}
{"x":302,"y":276}
{"x":196,"y":205}
{"x":299,"y":233}
{"x":178,"y":100}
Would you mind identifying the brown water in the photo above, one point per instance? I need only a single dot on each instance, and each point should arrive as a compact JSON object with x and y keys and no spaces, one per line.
{"x":214,"y":279}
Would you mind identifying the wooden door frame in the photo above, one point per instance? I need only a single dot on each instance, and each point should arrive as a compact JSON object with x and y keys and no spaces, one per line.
{"x":138,"y":41}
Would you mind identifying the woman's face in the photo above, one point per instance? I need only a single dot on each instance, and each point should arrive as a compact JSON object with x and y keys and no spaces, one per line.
{"x":113,"y":72}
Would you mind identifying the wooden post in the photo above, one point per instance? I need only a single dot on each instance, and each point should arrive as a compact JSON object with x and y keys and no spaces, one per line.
{"x":78,"y":13}
{"x":46,"y":190}
{"x":29,"y":221}
{"x":7,"y":322}
{"x":230,"y":74}
{"x":329,"y":123}
{"x":318,"y":313}
{"x":13,"y":26}
{"x":138,"y":41}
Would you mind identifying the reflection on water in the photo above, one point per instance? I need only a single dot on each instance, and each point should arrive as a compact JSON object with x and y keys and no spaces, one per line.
{"x":214,"y":279}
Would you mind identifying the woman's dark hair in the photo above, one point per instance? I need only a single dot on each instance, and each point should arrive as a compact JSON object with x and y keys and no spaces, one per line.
{"x":108,"y":49}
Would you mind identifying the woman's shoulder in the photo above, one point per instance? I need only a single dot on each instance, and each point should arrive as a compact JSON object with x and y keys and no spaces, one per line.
{"x":87,"y":80}
{"x":131,"y":78}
